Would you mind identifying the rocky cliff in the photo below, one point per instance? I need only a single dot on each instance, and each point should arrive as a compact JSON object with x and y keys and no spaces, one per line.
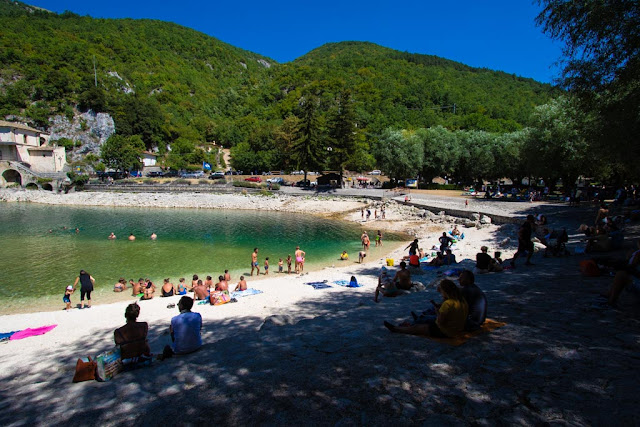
{"x":88,"y":129}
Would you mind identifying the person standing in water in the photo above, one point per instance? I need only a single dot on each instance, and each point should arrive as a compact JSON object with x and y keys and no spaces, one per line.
{"x":86,"y":286}
{"x":299,"y":254}
{"x":254,"y":261}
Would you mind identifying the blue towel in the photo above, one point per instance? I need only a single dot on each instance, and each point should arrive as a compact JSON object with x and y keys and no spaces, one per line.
{"x":318,"y":285}
{"x":6,"y":335}
{"x":240,"y":294}
{"x":429,"y":267}
{"x":346,"y":284}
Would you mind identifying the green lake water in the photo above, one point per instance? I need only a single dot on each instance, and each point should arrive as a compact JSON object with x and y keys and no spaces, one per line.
{"x":37,"y":263}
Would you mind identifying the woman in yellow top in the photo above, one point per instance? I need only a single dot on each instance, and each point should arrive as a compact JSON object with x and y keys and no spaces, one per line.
{"x":451,"y":315}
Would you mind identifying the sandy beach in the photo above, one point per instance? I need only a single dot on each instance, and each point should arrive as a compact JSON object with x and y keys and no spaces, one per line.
{"x":296,"y":355}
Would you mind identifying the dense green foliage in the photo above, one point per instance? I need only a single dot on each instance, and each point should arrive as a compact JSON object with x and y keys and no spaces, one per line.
{"x":168,"y":83}
{"x":602,"y":72}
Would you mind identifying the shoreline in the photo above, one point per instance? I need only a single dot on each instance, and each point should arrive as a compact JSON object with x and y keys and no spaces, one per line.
{"x":341,"y":209}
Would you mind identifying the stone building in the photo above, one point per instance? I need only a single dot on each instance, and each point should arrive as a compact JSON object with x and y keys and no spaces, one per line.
{"x":25,"y":156}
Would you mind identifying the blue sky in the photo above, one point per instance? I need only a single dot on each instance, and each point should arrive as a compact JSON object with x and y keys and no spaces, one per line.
{"x":496,"y":34}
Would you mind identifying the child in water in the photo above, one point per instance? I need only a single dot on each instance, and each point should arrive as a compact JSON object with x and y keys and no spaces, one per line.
{"x":280,"y":266}
{"x":67,"y":297}
{"x":266,"y":266}
{"x":289,"y":264}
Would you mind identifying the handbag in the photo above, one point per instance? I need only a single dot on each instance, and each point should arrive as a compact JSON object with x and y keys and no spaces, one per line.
{"x":85,"y":370}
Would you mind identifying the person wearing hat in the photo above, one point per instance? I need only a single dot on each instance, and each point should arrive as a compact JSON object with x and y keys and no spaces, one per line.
{"x":67,"y":297}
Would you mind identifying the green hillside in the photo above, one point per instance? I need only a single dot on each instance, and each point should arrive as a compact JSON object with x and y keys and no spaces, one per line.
{"x":173,"y":85}
{"x":409,"y":90}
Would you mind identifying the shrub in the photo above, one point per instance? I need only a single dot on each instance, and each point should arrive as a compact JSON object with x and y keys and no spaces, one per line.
{"x":44,"y":180}
{"x":203,"y":181}
{"x":245,"y":184}
{"x":149,"y":181}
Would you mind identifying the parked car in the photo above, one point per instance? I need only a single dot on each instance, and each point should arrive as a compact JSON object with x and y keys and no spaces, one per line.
{"x":303,"y":183}
{"x":375,"y":172}
{"x":170,"y":174}
{"x":253,"y":179}
{"x":196,"y":174}
{"x":155,"y":174}
{"x":297,"y":173}
{"x":216,"y":175}
{"x":276,"y":180}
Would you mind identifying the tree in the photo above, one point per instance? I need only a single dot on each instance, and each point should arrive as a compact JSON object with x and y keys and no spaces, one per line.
{"x":285,"y":137}
{"x":306,"y":151}
{"x":122,"y":153}
{"x":343,"y":133}
{"x":441,"y":152}
{"x":399,"y":153}
{"x":555,"y":147}
{"x":602,"y":67}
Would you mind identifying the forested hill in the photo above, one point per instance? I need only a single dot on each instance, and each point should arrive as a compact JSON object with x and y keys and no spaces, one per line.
{"x":166,"y":82}
{"x":420,"y":90}
{"x":194,"y":80}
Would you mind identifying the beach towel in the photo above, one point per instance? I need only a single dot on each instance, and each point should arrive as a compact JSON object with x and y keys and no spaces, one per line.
{"x":453,"y":272}
{"x":31,"y":332}
{"x":318,"y":285}
{"x":346,"y":284}
{"x":488,"y":326}
{"x":245,"y":293}
{"x":429,"y":267}
{"x":4,"y":336}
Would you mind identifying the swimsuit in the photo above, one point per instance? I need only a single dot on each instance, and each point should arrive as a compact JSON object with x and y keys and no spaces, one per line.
{"x":65,"y":298}
{"x":255,"y":264}
{"x":266,"y":267}
{"x":298,"y":259}
{"x":167,"y":294}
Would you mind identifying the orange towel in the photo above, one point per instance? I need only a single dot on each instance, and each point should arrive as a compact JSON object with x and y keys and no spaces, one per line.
{"x":488,"y":326}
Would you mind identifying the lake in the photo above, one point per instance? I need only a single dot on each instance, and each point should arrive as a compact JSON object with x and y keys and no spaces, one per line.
{"x":41,"y":253}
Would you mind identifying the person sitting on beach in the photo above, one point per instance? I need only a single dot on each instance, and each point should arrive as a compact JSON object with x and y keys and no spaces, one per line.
{"x":386,"y":286}
{"x":242,"y":285}
{"x":438,"y":261}
{"x":626,"y":286}
{"x":194,"y":282}
{"x":222,"y":284}
{"x":361,"y":256}
{"x":132,"y":337}
{"x":185,"y":330}
{"x":476,"y":301}
{"x":449,"y":258}
{"x":344,"y":256}
{"x":137,"y":287}
{"x":451,"y":315}
{"x":414,"y":261}
{"x":121,"y":285}
{"x":455,"y":232}
{"x":402,"y":279}
{"x":112,"y":236}
{"x":182,"y":289}
{"x":208,"y":283}
{"x":413,"y":247}
{"x":483,"y":260}
{"x":149,"y":289}
{"x":200,"y":291}
{"x":497,"y":258}
{"x":227,"y":276}
{"x":168,"y":290}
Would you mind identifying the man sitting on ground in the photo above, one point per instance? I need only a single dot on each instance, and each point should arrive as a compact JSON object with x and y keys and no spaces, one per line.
{"x":483,"y":261}
{"x":185,"y":330}
{"x":476,"y":300}
{"x":449,"y":258}
{"x":402,"y":279}
{"x":386,"y":286}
